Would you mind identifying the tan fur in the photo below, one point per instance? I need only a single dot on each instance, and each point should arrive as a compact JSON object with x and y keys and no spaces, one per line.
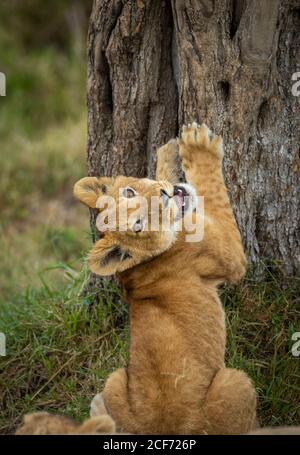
{"x":42,"y":423}
{"x":176,"y":381}
{"x":168,"y":162}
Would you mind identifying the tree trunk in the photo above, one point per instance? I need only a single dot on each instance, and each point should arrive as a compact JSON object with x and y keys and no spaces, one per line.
{"x":157,"y":64}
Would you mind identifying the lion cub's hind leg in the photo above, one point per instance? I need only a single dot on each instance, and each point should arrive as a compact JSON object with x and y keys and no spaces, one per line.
{"x":114,"y":401}
{"x":230,"y":406}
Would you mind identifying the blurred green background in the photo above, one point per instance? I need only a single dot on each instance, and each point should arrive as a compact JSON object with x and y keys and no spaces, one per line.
{"x":43,"y":136}
{"x":60,"y":347}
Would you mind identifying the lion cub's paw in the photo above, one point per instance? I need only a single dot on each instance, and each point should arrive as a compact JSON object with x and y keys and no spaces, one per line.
{"x":197,"y":140}
{"x":97,"y":406}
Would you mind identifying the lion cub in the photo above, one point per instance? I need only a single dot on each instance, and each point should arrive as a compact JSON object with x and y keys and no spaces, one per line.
{"x":43,"y":423}
{"x":176,"y":381}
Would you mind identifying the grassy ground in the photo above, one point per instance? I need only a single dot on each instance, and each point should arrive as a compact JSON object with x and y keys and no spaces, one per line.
{"x":261,"y":318}
{"x":60,"y":348}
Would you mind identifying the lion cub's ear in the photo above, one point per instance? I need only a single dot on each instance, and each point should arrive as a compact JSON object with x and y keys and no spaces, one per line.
{"x":108,"y":256}
{"x":89,"y":189}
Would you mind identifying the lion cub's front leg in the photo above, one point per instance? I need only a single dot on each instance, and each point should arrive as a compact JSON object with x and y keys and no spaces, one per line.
{"x":202,"y":153}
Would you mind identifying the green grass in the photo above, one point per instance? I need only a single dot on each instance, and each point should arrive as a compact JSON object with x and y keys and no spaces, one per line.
{"x":35,"y":170}
{"x":43,"y":153}
{"x":42,"y":125}
{"x":261,"y":318}
{"x":60,"y":347}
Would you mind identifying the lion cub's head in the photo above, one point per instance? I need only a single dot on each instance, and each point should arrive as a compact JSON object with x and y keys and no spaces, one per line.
{"x":138,"y":218}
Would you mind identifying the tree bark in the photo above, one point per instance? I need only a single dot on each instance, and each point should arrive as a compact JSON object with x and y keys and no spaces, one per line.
{"x":154,"y":65}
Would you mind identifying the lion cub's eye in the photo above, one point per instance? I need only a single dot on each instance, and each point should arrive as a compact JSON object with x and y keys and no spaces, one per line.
{"x":128,"y":192}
